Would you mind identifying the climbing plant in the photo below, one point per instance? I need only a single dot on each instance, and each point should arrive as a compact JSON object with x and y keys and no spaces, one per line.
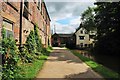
{"x":31,"y":47}
{"x":38,"y":40}
{"x":31,"y":43}
{"x":10,"y":57}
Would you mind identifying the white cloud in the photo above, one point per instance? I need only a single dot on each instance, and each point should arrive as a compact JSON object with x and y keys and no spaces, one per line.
{"x":66,"y":10}
{"x":66,"y":28}
{"x":70,"y":0}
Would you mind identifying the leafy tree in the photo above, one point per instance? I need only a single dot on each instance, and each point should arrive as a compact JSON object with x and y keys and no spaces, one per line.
{"x":88,"y":19}
{"x":107,"y":20}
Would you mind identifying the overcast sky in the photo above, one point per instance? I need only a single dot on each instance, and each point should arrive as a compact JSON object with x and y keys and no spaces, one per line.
{"x":66,"y":15}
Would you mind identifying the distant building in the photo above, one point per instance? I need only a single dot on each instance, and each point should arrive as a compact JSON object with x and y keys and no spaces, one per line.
{"x":61,"y":40}
{"x":32,"y":13}
{"x":82,"y":38}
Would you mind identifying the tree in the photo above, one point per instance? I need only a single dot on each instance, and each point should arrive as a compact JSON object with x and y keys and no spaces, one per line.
{"x":88,"y":19}
{"x":107,"y":21}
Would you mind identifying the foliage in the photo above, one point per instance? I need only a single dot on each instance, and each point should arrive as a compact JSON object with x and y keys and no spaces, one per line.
{"x":31,"y":54}
{"x":37,"y":39}
{"x":3,"y":33}
{"x":10,"y":57}
{"x":33,"y":48}
{"x":29,"y":51}
{"x":107,"y":23}
{"x":31,"y":43}
{"x":105,"y":72}
{"x":88,"y":19}
{"x":26,"y":57}
{"x":30,"y":70}
{"x":49,"y":47}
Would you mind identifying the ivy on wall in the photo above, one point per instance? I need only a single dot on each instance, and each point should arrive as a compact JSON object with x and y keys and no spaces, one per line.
{"x":10,"y":57}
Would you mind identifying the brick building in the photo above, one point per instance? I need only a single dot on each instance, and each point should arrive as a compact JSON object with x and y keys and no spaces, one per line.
{"x":20,"y":25}
{"x":63,"y":40}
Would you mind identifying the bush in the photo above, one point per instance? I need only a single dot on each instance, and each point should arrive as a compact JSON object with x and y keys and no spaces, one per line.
{"x":10,"y":57}
{"x":38,"y":40}
{"x":31,"y":43}
{"x":26,"y":57}
{"x":49,"y":47}
{"x":33,"y":48}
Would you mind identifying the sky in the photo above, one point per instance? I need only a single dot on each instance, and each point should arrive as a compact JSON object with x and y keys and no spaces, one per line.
{"x":65,"y":16}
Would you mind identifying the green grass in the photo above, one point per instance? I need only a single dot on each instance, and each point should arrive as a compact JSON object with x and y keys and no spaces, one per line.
{"x":30,"y":70}
{"x":100,"y":69}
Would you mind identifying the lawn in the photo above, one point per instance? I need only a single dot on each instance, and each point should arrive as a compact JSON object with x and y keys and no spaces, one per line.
{"x":103,"y":71}
{"x":30,"y":70}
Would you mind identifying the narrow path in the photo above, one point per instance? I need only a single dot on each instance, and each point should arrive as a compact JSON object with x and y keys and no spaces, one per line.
{"x":63,"y":64}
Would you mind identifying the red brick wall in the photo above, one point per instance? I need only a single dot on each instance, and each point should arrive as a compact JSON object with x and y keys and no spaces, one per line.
{"x":11,"y":12}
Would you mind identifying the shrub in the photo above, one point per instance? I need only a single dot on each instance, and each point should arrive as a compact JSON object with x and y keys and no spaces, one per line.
{"x":31,"y":43}
{"x":49,"y":47}
{"x":26,"y":57}
{"x":37,"y":39}
{"x":33,"y":46}
{"x":10,"y":57}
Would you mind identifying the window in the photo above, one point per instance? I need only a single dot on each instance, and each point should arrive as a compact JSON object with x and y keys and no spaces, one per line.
{"x":39,"y":5}
{"x":8,"y":27}
{"x":81,"y":32}
{"x":86,"y":45}
{"x":26,"y":11}
{"x":81,"y":45}
{"x":81,"y":37}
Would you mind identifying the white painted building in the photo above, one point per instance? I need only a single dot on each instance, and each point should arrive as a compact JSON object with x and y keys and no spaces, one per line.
{"x":82,"y":38}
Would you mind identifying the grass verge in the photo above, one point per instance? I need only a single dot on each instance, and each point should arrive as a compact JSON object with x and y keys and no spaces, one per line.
{"x":30,"y":70}
{"x":100,"y":69}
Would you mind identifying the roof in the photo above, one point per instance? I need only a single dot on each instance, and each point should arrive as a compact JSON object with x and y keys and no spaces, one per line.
{"x":80,"y":26}
{"x":64,"y":35}
{"x":46,"y":10}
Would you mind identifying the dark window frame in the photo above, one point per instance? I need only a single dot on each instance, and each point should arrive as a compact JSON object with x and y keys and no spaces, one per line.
{"x":81,"y":32}
{"x":8,"y":32}
{"x":26,"y":9}
{"x":81,"y":37}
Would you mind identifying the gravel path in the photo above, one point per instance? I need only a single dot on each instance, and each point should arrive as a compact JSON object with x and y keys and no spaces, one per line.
{"x":63,"y":64}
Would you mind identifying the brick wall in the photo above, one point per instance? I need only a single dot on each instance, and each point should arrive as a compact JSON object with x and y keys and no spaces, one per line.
{"x":11,"y":12}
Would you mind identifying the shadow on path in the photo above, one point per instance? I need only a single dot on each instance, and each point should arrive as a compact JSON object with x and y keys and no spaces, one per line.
{"x":62,"y":64}
{"x":63,"y":55}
